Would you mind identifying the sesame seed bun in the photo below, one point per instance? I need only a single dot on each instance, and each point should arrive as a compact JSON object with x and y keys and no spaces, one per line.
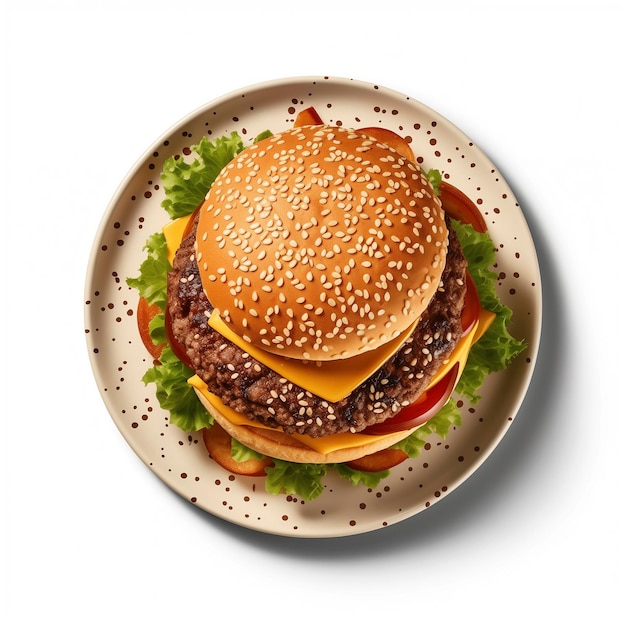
{"x":320,"y":243}
{"x":277,"y":444}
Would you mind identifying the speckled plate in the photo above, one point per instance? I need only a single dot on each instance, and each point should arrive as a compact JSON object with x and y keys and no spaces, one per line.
{"x":119,"y":359}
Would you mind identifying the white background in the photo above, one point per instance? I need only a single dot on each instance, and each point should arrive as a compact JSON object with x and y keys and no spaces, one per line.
{"x":89,"y":535}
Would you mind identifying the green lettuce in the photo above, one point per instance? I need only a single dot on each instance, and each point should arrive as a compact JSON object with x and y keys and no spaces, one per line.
{"x":497,"y":347}
{"x":152,"y":280}
{"x":241,"y":452}
{"x":175,"y":395}
{"x":301,"y":479}
{"x":434,"y":178}
{"x":358,"y":477}
{"x":186,"y":183}
{"x":448,"y":417}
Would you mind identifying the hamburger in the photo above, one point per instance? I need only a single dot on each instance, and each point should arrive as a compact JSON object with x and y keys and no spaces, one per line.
{"x":321,"y":305}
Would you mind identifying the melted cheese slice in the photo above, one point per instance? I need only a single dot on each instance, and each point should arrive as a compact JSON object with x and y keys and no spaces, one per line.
{"x":173,"y":232}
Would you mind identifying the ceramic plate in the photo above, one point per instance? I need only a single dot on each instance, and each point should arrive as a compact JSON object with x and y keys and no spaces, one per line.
{"x":119,"y":359}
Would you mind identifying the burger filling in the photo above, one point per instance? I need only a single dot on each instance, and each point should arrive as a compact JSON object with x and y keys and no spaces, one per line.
{"x":250,"y":387}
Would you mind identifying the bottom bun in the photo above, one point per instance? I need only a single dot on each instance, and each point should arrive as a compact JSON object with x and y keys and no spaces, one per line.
{"x":280,"y":445}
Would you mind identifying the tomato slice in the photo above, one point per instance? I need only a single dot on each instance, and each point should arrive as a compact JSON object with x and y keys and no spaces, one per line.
{"x":218,"y":444}
{"x":308,"y":117}
{"x":379,"y":461}
{"x":459,"y":207}
{"x":416,"y":414}
{"x":145,"y":314}
{"x":471,"y":307}
{"x":392,"y":139}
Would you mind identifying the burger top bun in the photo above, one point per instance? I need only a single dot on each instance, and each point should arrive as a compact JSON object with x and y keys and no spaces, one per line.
{"x":320,"y":243}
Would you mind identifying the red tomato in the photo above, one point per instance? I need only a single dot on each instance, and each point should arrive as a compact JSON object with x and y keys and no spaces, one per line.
{"x":471,"y":307}
{"x":459,"y":207}
{"x":308,"y":117}
{"x":145,"y":313}
{"x":416,"y":414}
{"x":379,"y":461}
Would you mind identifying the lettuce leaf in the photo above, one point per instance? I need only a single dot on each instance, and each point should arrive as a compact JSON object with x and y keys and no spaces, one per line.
{"x":175,"y":394}
{"x":301,"y":479}
{"x":434,"y":178}
{"x":152,"y":280}
{"x":240,"y":452}
{"x":156,"y":327}
{"x":448,"y":417}
{"x":357,"y":477}
{"x":187,"y":182}
{"x":497,"y":347}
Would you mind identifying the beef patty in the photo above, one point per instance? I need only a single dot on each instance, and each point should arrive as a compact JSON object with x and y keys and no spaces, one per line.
{"x":251,"y":388}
